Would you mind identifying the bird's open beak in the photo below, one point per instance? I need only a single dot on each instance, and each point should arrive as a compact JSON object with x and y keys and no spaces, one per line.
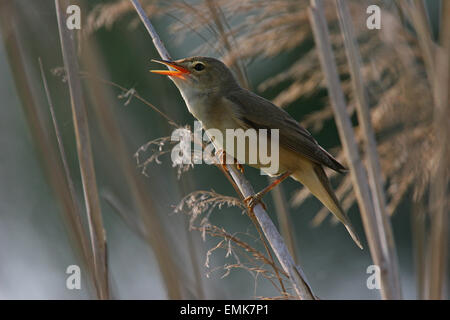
{"x":179,"y":71}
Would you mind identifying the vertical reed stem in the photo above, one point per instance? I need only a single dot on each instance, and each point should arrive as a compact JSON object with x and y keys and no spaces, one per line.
{"x":437,"y":277}
{"x":364,"y":120}
{"x":284,"y":219}
{"x":85,"y":158}
{"x":347,"y":136}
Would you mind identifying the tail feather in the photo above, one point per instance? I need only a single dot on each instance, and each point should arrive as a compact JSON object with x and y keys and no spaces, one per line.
{"x":314,"y":178}
{"x":335,"y":165}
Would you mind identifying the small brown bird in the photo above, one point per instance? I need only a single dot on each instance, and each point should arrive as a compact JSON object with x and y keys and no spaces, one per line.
{"x":215,"y":98}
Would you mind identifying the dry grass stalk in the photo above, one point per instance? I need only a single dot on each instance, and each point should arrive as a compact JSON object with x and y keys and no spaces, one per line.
{"x":256,"y":260}
{"x":220,"y":22}
{"x":143,"y":202}
{"x":374,"y":230}
{"x":437,"y":66}
{"x":27,"y":83}
{"x":93,"y":210}
{"x":284,"y":219}
{"x":439,"y":208}
{"x":296,"y":277}
{"x":77,"y":213}
{"x":418,"y":230}
{"x":199,"y":206}
{"x":368,"y":134}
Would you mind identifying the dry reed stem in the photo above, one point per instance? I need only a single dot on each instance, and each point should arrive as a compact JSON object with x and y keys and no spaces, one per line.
{"x":417,"y":12}
{"x":26,"y":83}
{"x":296,"y":276}
{"x":372,"y":228}
{"x":219,"y":20}
{"x":84,"y":150}
{"x":143,"y":202}
{"x":368,"y":134}
{"x":77,"y":212}
{"x":437,"y":63}
{"x":418,"y":230}
{"x":284,"y":219}
{"x":439,"y":209}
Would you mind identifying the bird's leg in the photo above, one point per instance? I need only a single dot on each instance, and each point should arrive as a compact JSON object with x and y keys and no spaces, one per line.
{"x":239,"y":166}
{"x":253,"y":200}
{"x":223,"y":160}
{"x":220,"y":154}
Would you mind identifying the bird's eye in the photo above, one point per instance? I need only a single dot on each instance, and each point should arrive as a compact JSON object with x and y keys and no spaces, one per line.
{"x":199,"y":66}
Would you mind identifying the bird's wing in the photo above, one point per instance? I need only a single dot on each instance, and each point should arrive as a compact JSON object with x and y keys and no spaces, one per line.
{"x":253,"y":111}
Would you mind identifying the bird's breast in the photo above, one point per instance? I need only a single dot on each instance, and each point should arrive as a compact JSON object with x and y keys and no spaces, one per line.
{"x":211,"y":111}
{"x":216,"y":118}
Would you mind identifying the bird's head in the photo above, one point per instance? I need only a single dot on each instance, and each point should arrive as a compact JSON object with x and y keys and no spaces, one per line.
{"x":201,"y":74}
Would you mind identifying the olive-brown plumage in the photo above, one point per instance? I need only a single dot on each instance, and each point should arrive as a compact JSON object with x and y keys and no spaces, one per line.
{"x":215,"y":98}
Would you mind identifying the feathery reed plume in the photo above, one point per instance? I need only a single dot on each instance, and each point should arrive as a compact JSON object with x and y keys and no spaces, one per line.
{"x":418,"y":230}
{"x":284,"y":220}
{"x":437,"y":67}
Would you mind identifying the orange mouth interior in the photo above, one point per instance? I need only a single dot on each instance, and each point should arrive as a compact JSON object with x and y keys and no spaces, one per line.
{"x":179,"y":71}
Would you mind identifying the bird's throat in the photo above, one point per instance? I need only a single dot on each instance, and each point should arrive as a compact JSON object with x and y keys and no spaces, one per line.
{"x":199,"y":103}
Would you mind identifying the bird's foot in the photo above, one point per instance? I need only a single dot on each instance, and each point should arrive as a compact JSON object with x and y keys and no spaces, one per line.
{"x":222,"y":156}
{"x":253,"y":200}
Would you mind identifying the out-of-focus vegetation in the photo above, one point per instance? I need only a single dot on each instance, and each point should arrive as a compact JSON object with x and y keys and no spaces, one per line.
{"x":182,"y":232}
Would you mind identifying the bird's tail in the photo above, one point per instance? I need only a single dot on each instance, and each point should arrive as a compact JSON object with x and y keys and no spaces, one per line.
{"x":315,"y":179}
